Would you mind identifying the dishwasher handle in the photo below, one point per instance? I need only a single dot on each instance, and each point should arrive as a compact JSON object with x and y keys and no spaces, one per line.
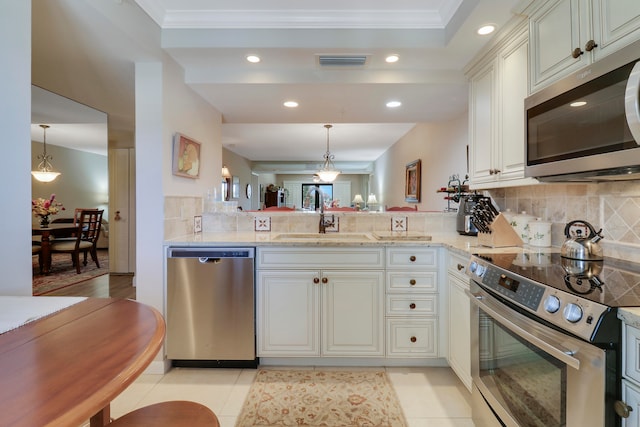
{"x":204,"y":254}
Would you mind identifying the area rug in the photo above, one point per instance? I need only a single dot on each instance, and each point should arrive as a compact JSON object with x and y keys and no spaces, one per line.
{"x":321,"y":398}
{"x":63,"y":273}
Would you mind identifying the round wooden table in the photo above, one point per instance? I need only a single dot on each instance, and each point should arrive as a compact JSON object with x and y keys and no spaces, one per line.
{"x":66,"y":368}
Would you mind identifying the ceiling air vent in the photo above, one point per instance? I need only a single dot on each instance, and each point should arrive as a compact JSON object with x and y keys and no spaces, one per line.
{"x":342,"y":60}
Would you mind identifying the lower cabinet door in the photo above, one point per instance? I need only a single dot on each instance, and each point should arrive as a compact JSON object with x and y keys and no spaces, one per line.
{"x":631,"y":396}
{"x":288,"y":313}
{"x":412,"y":337}
{"x":460,"y":330}
{"x":352,"y":313}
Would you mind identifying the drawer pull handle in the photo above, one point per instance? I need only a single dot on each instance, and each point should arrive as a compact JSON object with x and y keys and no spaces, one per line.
{"x":412,"y":306}
{"x":460,"y":267}
{"x":325,"y":280}
{"x":414,"y":339}
{"x":412,"y":258}
{"x":412,"y":282}
{"x":316,"y":280}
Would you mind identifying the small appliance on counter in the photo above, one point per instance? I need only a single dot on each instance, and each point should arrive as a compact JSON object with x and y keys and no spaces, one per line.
{"x":464,"y":225}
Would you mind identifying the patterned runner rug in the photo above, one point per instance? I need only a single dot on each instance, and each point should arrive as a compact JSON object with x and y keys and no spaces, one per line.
{"x":321,"y":398}
{"x":63,"y":273}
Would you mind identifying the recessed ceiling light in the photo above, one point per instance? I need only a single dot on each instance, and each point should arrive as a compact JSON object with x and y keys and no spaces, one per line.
{"x":253,"y":58}
{"x":394,"y":104}
{"x":290,"y":104}
{"x":486,"y":29}
{"x":578,"y":103}
{"x":392,"y":58}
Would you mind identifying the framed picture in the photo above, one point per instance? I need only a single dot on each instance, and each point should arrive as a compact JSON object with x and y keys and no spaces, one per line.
{"x":235,"y":187}
{"x":186,"y":157}
{"x":412,"y":182}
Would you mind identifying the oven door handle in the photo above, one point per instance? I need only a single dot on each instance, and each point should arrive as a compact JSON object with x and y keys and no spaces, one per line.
{"x":513,"y":321}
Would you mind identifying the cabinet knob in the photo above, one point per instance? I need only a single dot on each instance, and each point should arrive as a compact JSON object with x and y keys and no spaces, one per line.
{"x":316,"y":280}
{"x":413,"y":339}
{"x":576,"y":53}
{"x":412,"y":306}
{"x":412,"y":282}
{"x":325,"y":280}
{"x":117,"y":217}
{"x":622,"y":409}
{"x":412,"y":258}
{"x":460,"y":267}
{"x":590,"y":45}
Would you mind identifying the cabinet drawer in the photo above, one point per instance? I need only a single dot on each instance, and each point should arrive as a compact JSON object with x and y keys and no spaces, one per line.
{"x":313,"y":257}
{"x":457,"y":264}
{"x":412,"y":305}
{"x":399,"y":281}
{"x":412,"y":257}
{"x":631,"y":357}
{"x":411,"y":338}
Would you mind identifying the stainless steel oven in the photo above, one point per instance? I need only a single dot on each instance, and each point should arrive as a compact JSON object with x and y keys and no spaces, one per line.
{"x":545,"y":341}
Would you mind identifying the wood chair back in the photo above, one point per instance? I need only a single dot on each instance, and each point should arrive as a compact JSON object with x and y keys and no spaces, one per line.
{"x":90,"y":221}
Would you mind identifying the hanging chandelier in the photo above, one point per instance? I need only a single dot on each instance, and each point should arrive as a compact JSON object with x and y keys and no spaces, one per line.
{"x":44,"y":172}
{"x":328,"y":173}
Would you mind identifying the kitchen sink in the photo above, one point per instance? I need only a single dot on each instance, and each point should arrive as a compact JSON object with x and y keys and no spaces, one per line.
{"x":331,"y":236}
{"x":401,"y":235}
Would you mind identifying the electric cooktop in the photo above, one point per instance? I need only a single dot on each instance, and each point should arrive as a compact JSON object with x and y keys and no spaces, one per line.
{"x":609,"y":282}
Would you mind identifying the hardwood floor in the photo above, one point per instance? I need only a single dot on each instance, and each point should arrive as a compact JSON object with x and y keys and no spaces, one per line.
{"x":108,"y":285}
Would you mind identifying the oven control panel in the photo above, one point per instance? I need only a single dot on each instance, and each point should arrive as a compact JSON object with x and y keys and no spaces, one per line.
{"x":567,"y":311}
{"x":524,"y":293}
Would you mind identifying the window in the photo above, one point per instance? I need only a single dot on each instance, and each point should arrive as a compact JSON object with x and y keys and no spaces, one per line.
{"x":311,"y":195}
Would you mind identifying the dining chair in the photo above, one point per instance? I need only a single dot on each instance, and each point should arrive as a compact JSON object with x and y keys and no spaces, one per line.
{"x":401,"y":208}
{"x":85,"y":240}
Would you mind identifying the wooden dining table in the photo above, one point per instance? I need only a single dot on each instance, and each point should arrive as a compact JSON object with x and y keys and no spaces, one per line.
{"x":45,"y":241}
{"x":65,"y":368}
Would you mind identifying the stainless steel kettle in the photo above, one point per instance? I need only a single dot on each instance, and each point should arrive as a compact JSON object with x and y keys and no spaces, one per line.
{"x":579,"y":245}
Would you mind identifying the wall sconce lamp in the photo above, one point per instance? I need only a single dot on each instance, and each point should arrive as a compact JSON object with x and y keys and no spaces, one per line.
{"x":357,"y":200}
{"x":44,"y":172}
{"x":226,"y":182}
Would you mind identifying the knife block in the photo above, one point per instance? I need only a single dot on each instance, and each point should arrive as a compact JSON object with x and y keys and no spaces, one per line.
{"x":502,"y":234}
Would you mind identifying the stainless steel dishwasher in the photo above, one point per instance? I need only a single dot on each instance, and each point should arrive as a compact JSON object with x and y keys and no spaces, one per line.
{"x":211,"y":307}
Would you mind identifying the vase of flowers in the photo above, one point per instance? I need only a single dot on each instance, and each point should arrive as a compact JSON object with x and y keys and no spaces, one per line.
{"x":44,"y":207}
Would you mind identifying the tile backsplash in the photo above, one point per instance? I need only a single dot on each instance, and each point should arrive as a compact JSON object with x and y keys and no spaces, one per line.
{"x":614,"y":207}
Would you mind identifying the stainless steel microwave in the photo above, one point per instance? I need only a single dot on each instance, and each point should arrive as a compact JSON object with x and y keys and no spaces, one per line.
{"x":586,"y":127}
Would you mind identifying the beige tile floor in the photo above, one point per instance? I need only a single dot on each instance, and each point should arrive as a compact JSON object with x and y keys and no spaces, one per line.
{"x":430,"y":397}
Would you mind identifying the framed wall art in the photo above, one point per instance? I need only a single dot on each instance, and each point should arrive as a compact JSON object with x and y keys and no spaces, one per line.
{"x":412,"y":182}
{"x":186,"y":156}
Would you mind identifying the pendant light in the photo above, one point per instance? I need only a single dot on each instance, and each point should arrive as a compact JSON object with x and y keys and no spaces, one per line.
{"x":44,"y":172}
{"x":328,"y":173}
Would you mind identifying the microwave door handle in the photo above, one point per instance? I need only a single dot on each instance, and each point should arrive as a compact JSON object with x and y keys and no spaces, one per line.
{"x":508,"y":319}
{"x":631,"y":102}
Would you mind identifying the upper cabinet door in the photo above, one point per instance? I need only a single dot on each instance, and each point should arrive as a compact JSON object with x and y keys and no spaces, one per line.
{"x":481,"y":124}
{"x":555,"y":33}
{"x":566,"y":35}
{"x":616,"y":23}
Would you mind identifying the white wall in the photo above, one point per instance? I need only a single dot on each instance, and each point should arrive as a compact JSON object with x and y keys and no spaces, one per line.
{"x":15,"y":120}
{"x":83,"y":183}
{"x":442,"y":147}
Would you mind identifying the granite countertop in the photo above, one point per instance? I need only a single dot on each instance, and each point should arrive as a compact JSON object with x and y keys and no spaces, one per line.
{"x":463,"y":245}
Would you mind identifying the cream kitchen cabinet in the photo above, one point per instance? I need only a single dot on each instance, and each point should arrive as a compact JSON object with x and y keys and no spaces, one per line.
{"x":459,"y":307}
{"x":412,"y":306}
{"x":320,"y":302}
{"x":498,"y":87}
{"x":566,"y":35}
{"x":631,"y":375}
